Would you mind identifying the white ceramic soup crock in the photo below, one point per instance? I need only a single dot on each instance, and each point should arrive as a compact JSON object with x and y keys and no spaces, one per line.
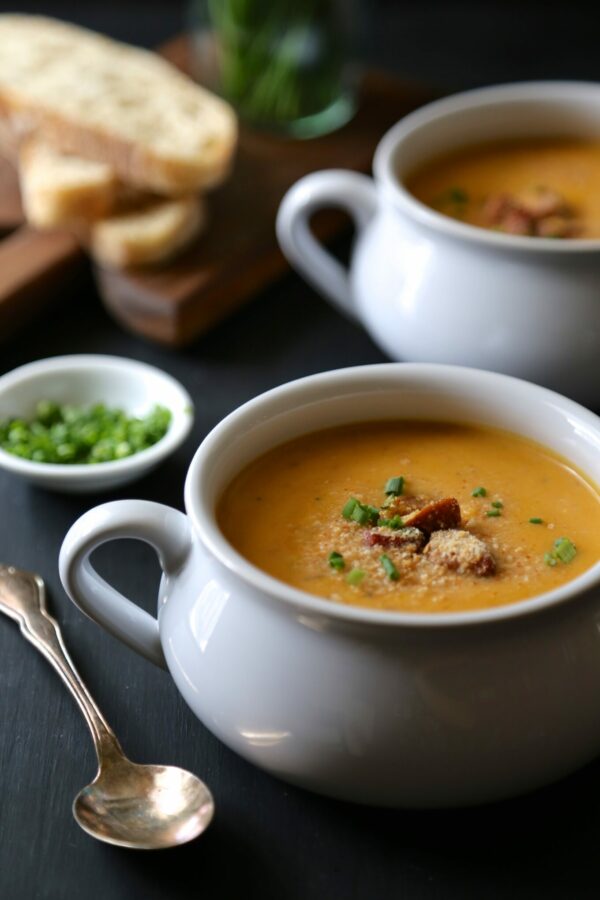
{"x":431,"y":289}
{"x":378,"y":707}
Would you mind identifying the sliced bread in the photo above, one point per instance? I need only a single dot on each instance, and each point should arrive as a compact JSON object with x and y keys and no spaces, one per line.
{"x":147,"y":236}
{"x":105,"y":101}
{"x":59,"y":189}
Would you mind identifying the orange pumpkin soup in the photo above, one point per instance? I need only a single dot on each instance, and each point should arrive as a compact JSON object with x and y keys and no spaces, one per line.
{"x":539,"y":188}
{"x":414,"y":516}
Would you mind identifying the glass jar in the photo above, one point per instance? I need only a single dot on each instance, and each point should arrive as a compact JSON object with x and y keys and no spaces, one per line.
{"x":283,"y":64}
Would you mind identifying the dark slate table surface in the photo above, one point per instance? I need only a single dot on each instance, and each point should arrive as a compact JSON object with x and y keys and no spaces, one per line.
{"x":268,"y":840}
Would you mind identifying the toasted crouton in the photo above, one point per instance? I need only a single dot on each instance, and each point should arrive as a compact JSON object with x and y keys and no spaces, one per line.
{"x":461,"y":552}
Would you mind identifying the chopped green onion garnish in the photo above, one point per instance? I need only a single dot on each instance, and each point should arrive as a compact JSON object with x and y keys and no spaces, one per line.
{"x":395,"y":522}
{"x":390,"y":568}
{"x":394,"y":486}
{"x":493,"y":513}
{"x":82,"y":434}
{"x":360,"y":514}
{"x":336,"y":560}
{"x":478,"y":492}
{"x":497,"y":504}
{"x":355,"y":576}
{"x":349,"y":507}
{"x":535,"y":520}
{"x":457,"y":195}
{"x":373,"y":513}
{"x":565,"y":550}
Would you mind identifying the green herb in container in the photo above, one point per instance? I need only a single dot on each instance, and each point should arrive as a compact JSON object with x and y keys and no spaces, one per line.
{"x":281,"y":63}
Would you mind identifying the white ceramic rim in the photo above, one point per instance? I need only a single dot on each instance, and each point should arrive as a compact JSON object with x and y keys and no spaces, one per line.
{"x":205,"y":524}
{"x":179,"y":428}
{"x":383,"y":163}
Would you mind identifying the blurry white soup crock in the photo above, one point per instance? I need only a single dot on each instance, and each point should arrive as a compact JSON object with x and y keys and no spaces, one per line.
{"x":431,"y":289}
{"x":388,"y":708}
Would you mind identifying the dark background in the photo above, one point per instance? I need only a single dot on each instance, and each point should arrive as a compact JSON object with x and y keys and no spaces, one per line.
{"x":451,"y":43}
{"x":268,"y":840}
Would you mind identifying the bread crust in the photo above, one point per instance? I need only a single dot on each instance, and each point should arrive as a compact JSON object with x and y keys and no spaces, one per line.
{"x":61,"y":190}
{"x":181,"y":168}
{"x":121,"y":241}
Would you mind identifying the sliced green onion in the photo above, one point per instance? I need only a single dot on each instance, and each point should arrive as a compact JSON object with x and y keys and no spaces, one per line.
{"x":493,"y":513}
{"x":457,"y":195}
{"x":395,"y":522}
{"x":355,"y":576}
{"x":336,"y":560}
{"x":82,"y":434}
{"x":349,"y":507}
{"x":390,"y":569}
{"x":535,"y":520}
{"x":497,"y":504}
{"x":360,"y":515}
{"x":373,"y":513}
{"x":565,"y":550}
{"x":478,"y":492}
{"x":394,"y":486}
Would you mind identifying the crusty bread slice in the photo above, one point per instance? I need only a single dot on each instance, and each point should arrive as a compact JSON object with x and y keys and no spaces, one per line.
{"x":59,"y":189}
{"x":88,"y":95}
{"x":9,"y":146}
{"x":153,"y":234}
{"x":121,"y":225}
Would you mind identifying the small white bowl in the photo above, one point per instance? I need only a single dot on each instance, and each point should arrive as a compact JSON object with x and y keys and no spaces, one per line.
{"x":84,"y":380}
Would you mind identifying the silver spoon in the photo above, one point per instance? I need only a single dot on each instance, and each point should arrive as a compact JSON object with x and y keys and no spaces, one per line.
{"x":144,"y":807}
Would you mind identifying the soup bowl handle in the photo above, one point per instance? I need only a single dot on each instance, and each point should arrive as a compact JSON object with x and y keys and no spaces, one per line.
{"x":350,"y":191}
{"x":165,"y":529}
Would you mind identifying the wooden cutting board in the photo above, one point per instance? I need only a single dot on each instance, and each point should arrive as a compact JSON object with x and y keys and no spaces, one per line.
{"x":11,"y":214}
{"x":238,"y":254}
{"x":35,"y":267}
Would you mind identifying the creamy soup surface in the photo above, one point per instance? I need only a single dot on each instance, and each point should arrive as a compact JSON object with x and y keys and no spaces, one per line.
{"x":543,"y":188}
{"x":445,"y":549}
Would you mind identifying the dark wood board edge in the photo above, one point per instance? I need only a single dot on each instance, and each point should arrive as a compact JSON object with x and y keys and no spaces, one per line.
{"x":11,"y":211}
{"x":34,"y":267}
{"x":131,"y":301}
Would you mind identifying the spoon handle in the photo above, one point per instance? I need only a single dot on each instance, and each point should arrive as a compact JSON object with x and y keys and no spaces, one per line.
{"x":23,"y":598}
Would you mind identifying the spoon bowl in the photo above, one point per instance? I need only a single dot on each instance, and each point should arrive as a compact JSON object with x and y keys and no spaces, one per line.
{"x":144,"y":807}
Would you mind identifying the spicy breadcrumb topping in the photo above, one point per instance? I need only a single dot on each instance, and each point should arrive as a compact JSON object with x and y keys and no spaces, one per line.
{"x":460,"y":552}
{"x":423,"y":543}
{"x":412,"y":539}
